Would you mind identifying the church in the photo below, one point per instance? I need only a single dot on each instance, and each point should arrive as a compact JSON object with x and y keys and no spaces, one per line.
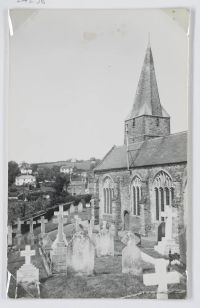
{"x":142,"y":185}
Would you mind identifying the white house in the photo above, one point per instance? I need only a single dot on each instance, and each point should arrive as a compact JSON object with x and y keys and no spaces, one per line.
{"x":25,"y":179}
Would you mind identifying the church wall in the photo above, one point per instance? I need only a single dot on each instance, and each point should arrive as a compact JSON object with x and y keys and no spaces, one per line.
{"x":144,"y":223}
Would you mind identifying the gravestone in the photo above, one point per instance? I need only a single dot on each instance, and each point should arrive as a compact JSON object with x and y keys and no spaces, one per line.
{"x":31,"y":222}
{"x":27,"y":273}
{"x":72,"y":209}
{"x":167,"y":242}
{"x":18,"y":232}
{"x":104,"y":242}
{"x":131,"y":255}
{"x":161,"y":278}
{"x":59,"y":247}
{"x":77,"y":221}
{"x":30,"y":236}
{"x":42,"y":222}
{"x":80,"y":207}
{"x":83,"y":252}
{"x":9,"y":235}
{"x":87,"y":205}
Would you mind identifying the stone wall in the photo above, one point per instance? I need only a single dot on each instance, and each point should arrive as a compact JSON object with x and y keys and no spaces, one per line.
{"x":145,"y":127}
{"x":145,"y":223}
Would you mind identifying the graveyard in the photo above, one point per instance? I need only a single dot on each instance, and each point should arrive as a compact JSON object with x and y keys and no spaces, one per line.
{"x":82,"y":258}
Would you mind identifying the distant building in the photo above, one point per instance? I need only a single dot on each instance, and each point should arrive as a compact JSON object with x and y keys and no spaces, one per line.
{"x":66,"y":169}
{"x":25,"y":179}
{"x":25,"y":168}
{"x":76,"y":187}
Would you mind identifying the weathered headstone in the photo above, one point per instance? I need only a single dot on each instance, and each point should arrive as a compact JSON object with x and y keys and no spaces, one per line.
{"x":167,"y":242}
{"x":77,"y":221}
{"x":72,"y":208}
{"x":30,"y":236}
{"x":42,"y":221}
{"x":82,"y":254}
{"x":104,"y":242}
{"x":10,"y":235}
{"x":161,"y":278}
{"x":27,"y":273}
{"x":131,"y":256}
{"x":80,"y":207}
{"x":59,"y":246}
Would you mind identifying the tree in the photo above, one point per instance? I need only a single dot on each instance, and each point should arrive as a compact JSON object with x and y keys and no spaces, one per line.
{"x":13,"y":171}
{"x":61,"y":181}
{"x":34,"y":167}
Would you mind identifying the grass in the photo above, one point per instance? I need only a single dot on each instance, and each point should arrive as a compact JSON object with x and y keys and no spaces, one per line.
{"x":108,"y":281}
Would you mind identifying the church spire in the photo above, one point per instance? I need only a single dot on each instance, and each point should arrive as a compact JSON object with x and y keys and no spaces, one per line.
{"x":147,"y":100}
{"x":147,"y":119}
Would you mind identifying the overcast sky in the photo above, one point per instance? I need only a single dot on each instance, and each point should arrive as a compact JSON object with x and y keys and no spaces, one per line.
{"x":74,"y":73}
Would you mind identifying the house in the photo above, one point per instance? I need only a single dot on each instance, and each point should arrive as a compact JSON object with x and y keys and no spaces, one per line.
{"x":25,"y":179}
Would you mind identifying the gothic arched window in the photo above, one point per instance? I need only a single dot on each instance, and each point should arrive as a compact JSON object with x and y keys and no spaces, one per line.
{"x":164,"y":193}
{"x":108,"y":194}
{"x":136,"y":195}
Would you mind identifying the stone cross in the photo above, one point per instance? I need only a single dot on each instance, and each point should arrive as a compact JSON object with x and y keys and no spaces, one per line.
{"x":161,"y":278}
{"x":31,"y":222}
{"x":19,"y":223}
{"x":27,"y":253}
{"x":42,"y":221}
{"x":60,"y":220}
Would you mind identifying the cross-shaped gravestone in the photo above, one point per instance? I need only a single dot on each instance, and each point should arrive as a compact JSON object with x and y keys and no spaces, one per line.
{"x":161,"y":278}
{"x":42,"y":221}
{"x":60,"y":220}
{"x":27,"y":253}
{"x":19,"y":223}
{"x":31,"y":222}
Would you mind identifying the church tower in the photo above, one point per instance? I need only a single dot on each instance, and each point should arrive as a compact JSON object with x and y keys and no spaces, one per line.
{"x":147,"y":119}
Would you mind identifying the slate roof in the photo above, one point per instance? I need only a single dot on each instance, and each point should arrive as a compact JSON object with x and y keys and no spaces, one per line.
{"x":147,"y":100}
{"x":156,"y":151}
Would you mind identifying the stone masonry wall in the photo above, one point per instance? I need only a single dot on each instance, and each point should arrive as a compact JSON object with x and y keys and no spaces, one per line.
{"x":147,"y":175}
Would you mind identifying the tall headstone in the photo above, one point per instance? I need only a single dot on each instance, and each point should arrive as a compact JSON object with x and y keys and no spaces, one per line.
{"x":42,"y":221}
{"x":131,"y":255}
{"x":80,"y":207}
{"x":104,"y":242}
{"x":161,"y":278}
{"x":59,"y":247}
{"x":72,"y":209}
{"x":30,"y":236}
{"x":167,"y":242}
{"x":82,"y":254}
{"x":77,"y":221}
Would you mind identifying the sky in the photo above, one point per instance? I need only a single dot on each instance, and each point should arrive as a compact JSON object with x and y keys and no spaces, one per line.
{"x":73,"y":76}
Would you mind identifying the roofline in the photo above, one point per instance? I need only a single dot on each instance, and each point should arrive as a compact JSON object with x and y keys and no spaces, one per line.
{"x":113,"y":147}
{"x":146,"y":115}
{"x":140,"y":167}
